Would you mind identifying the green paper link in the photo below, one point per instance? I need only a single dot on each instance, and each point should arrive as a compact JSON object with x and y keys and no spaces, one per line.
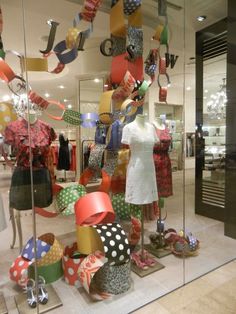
{"x":2,"y":54}
{"x":143,"y":88}
{"x":72,"y":117}
{"x":50,"y":272}
{"x":164,"y":36}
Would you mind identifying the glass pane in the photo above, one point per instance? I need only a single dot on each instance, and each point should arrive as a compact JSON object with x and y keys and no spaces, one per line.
{"x":213,"y":176}
{"x":78,"y":158}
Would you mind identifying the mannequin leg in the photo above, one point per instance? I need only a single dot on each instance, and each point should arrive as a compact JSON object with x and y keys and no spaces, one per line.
{"x":13,"y":223}
{"x":142,"y":232}
{"x":19,"y":229}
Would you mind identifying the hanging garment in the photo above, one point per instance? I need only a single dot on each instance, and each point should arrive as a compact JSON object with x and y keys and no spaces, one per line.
{"x":64,"y":154}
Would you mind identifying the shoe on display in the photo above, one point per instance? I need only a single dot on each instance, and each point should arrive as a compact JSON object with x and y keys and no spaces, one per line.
{"x":30,"y":290}
{"x":43,"y":294}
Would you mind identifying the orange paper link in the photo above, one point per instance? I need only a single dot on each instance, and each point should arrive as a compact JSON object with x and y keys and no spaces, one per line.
{"x":135,"y":19}
{"x":117,"y":20}
{"x":6,"y":73}
{"x":59,"y":105}
{"x":94,"y":208}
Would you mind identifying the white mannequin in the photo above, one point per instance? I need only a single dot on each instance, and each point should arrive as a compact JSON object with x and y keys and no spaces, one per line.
{"x":159,"y":124}
{"x":141,"y":119}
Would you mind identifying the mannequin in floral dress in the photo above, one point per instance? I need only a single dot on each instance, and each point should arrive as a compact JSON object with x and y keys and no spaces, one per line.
{"x":162,"y":160}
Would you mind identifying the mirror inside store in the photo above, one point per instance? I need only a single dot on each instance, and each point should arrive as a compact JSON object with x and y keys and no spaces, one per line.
{"x":98,"y":148}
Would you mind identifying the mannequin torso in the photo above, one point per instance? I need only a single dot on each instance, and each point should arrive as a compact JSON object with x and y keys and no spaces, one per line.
{"x":140,"y":179}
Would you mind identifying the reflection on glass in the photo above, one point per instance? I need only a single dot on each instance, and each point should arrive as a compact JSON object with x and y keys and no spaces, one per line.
{"x":214,"y":109}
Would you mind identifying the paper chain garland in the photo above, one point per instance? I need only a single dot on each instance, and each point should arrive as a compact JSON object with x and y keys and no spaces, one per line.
{"x":75,"y":40}
{"x":49,"y":252}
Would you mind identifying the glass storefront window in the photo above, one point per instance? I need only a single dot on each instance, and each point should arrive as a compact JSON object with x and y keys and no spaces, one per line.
{"x":98,"y":149}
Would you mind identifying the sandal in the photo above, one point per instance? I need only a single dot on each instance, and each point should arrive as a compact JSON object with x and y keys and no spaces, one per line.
{"x":148,"y":260}
{"x":31,"y":299}
{"x":136,"y":258}
{"x":43,"y":294}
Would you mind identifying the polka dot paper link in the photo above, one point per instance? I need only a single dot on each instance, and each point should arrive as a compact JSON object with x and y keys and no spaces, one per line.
{"x":69,"y":196}
{"x":28,"y":250}
{"x":18,"y":270}
{"x":115,"y":242}
{"x":71,"y":263}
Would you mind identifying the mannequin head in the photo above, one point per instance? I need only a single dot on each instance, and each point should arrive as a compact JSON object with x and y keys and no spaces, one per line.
{"x":159,"y":123}
{"x":31,"y":116}
{"x":141,"y":119}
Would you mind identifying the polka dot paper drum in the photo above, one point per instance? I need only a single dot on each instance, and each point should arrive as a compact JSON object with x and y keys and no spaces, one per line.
{"x":18,"y":270}
{"x":28,"y":250}
{"x":115,"y":243}
{"x":6,"y":115}
{"x":54,"y":254}
{"x":71,"y":263}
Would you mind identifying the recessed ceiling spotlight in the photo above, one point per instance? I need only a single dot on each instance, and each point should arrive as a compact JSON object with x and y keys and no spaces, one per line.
{"x":96,"y":80}
{"x":205,"y":97}
{"x":65,"y":100}
{"x":105,"y":85}
{"x":46,"y":95}
{"x":6,"y":98}
{"x":206,"y":91}
{"x":61,"y":86}
{"x":69,"y":106}
{"x":201,"y":18}
{"x":188,"y":88}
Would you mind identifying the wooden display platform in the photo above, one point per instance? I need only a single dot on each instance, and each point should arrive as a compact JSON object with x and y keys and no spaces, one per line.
{"x":53,"y":302}
{"x":3,"y":307}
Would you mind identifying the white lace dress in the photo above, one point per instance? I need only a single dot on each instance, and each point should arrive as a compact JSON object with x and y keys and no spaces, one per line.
{"x":141,"y":185}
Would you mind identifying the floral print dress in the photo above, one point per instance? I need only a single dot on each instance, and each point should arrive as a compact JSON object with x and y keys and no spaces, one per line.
{"x":163,"y":164}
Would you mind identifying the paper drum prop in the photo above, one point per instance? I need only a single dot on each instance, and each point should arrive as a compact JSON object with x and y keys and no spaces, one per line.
{"x":49,"y":260}
{"x":6,"y":115}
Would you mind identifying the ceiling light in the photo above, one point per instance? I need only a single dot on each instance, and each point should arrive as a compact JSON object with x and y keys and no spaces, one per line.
{"x":216,"y":106}
{"x":96,"y":80}
{"x":201,"y":18}
{"x":206,"y":91}
{"x":205,"y":97}
{"x":61,"y":86}
{"x":65,"y":100}
{"x":6,"y":97}
{"x":69,"y":106}
{"x":46,"y":95}
{"x":188,"y":88}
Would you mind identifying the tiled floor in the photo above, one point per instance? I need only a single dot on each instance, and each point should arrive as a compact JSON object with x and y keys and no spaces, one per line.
{"x":215,"y":250}
{"x":214,"y":293}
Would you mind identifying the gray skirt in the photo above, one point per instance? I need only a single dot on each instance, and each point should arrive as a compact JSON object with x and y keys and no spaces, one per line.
{"x":20,"y":191}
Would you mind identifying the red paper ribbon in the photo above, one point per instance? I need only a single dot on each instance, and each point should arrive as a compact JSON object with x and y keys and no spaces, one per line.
{"x":38,"y":100}
{"x":94,"y":208}
{"x":88,"y":174}
{"x":59,"y":105}
{"x":6,"y":73}
{"x":162,"y":94}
